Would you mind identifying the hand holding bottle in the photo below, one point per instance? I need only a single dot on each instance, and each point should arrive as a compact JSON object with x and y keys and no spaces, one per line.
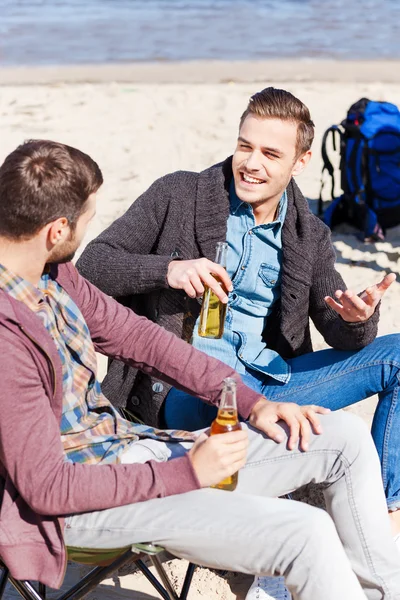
{"x":213,"y":311}
{"x":217,"y":457}
{"x":192,"y":275}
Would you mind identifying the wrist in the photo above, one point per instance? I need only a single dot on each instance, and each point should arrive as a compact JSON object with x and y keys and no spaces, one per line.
{"x":257,"y":408}
{"x":170,"y":269}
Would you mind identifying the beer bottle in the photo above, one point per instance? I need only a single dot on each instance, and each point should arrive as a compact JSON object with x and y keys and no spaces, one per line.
{"x":213,"y":311}
{"x":227,"y":420}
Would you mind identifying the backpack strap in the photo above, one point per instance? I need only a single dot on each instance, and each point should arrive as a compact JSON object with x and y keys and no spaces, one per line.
{"x":327,"y":165}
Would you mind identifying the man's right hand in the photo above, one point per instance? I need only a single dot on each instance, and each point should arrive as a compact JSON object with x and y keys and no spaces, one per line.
{"x":218,"y":456}
{"x":192,"y":275}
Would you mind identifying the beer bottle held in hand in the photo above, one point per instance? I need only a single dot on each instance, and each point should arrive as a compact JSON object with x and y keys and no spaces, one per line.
{"x":213,"y":311}
{"x":227,"y":420}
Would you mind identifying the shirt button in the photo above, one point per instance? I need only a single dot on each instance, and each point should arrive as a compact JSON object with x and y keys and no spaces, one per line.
{"x":243,"y":267}
{"x":157,"y":387}
{"x":251,"y":232}
{"x":240,"y":355}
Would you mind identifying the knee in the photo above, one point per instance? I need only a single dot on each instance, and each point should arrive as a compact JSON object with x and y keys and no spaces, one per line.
{"x":347,"y":433}
{"x":344,"y":424}
{"x":319,"y":523}
{"x":387,"y":348}
{"x":316,"y":534}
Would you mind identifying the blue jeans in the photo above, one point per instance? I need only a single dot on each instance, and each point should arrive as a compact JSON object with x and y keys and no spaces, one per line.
{"x":330,"y":378}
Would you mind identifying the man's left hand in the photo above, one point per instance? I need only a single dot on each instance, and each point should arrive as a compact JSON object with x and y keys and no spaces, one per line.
{"x":300,"y":419}
{"x":356,"y":309}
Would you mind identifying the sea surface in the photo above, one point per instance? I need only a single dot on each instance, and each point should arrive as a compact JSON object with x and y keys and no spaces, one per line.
{"x":44,"y":32}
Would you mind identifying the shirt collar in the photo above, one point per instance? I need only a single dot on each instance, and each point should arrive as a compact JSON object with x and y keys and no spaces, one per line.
{"x":236,"y":204}
{"x":20,"y":288}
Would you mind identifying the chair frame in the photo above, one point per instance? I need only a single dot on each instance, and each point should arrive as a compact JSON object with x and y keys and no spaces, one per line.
{"x":88,"y":583}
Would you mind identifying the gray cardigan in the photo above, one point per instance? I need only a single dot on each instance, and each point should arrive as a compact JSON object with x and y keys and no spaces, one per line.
{"x":183,"y":215}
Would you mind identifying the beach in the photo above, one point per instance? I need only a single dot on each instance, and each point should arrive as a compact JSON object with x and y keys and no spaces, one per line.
{"x":142,"y":121}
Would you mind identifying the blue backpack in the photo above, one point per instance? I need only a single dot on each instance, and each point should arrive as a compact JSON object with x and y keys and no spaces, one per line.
{"x":369,"y":140}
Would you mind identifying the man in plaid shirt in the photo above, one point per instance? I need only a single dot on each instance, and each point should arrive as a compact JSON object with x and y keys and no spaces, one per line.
{"x":72,"y":471}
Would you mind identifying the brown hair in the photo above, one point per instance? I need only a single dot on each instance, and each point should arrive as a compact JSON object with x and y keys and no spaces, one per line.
{"x":42,"y":181}
{"x":272,"y":103}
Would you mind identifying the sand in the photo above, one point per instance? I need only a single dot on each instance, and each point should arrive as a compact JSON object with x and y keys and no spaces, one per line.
{"x":142,"y":121}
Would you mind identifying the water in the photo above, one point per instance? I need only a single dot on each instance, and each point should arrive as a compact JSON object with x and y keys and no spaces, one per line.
{"x":43,"y":32}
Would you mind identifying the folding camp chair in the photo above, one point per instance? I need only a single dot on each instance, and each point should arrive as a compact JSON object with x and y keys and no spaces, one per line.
{"x":107,"y":562}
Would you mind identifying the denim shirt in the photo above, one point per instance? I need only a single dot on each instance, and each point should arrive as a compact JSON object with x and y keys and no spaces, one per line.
{"x":254,"y":265}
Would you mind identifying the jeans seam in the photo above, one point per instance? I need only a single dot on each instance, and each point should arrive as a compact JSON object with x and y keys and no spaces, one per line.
{"x":392,"y":363}
{"x":364,"y":544}
{"x":339,"y":454}
{"x":292,"y":456}
{"x":388,"y":426}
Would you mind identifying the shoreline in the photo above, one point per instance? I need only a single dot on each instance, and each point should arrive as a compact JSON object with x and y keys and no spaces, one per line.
{"x":301,"y":70}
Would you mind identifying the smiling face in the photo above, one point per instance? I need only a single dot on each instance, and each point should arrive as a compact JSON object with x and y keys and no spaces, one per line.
{"x":265,"y":159}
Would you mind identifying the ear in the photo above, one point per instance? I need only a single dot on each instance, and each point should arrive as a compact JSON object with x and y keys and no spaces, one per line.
{"x":58,"y":231}
{"x":301,"y":163}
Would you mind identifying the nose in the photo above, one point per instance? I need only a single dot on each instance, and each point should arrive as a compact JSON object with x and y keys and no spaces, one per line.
{"x":253,"y":162}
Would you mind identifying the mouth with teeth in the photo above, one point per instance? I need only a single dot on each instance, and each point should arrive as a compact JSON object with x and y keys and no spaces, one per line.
{"x":250,"y":180}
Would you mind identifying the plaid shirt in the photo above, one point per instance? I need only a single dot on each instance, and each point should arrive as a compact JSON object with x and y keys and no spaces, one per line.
{"x":92,"y":431}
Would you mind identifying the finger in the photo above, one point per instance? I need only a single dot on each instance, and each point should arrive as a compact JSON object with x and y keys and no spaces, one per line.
{"x":311,"y":415}
{"x":305,"y":433}
{"x":335,"y":305}
{"x":234,"y":456}
{"x":232,"y":437}
{"x":235,"y":467}
{"x":371,"y":296}
{"x":215,"y":286}
{"x":354,"y":305}
{"x":376,"y":291}
{"x":231,"y":449}
{"x":322,"y":410}
{"x":355,"y":309}
{"x":294,"y":431}
{"x":386,"y":282}
{"x":189,"y":289}
{"x":196,"y":283}
{"x":272,"y":431}
{"x":221,"y":272}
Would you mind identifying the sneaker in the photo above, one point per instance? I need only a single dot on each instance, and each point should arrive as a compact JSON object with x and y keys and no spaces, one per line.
{"x":268,"y":588}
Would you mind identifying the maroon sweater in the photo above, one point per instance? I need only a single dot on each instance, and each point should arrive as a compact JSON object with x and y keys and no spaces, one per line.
{"x":38,"y":487}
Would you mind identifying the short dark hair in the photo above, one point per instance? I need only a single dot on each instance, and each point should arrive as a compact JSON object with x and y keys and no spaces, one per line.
{"x":42,"y":181}
{"x":273,"y":103}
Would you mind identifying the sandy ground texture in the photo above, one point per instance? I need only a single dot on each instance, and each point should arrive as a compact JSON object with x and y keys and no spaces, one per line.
{"x":140,"y":131}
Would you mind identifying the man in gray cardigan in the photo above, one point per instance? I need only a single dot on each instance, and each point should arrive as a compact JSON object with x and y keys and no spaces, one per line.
{"x":159,"y":255}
